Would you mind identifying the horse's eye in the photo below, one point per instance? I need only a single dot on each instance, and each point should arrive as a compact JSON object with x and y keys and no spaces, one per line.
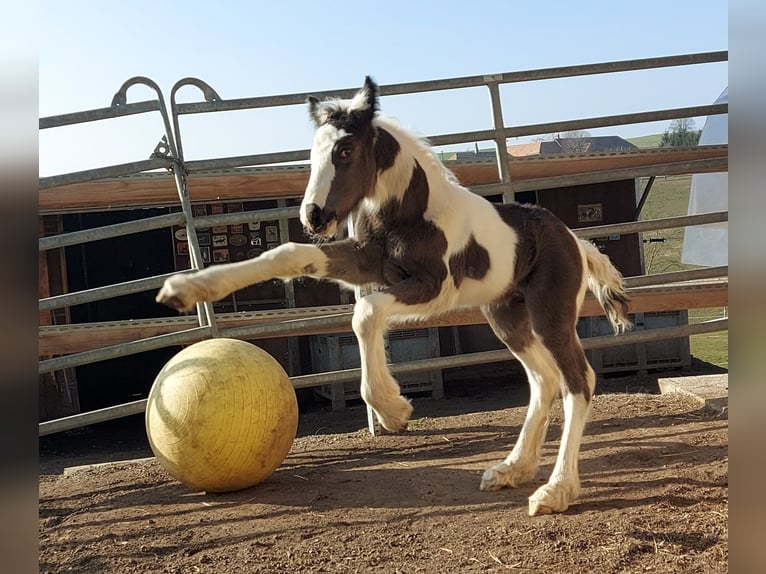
{"x":344,"y":152}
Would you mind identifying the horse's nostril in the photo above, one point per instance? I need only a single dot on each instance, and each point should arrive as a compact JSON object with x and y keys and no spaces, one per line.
{"x":315,"y":217}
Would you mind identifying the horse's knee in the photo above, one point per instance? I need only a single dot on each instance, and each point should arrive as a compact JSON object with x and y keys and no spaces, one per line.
{"x":364,"y":321}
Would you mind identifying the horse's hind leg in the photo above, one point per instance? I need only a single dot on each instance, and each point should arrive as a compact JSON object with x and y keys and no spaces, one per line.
{"x":577,"y":383}
{"x":511,"y":324}
{"x":547,"y":345}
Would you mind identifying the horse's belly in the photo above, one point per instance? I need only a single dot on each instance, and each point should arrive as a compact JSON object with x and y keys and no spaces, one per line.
{"x":474,"y":292}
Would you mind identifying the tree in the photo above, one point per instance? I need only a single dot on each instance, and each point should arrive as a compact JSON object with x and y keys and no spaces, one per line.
{"x":681,"y":133}
{"x":572,"y":141}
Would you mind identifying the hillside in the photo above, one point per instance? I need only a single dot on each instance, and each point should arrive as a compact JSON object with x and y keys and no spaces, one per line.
{"x":646,"y":141}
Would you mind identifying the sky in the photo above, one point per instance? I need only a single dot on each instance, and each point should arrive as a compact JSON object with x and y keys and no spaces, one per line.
{"x":255,"y":48}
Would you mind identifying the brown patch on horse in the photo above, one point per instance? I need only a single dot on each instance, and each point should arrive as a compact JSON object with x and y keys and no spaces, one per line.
{"x":471,"y":262}
{"x":397,"y":247}
{"x":386,"y":150}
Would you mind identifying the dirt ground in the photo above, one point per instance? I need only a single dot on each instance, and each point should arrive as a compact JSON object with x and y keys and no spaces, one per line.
{"x":654,"y":471}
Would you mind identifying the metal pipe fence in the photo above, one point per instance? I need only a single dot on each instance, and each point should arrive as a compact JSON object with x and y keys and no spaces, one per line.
{"x":169,"y":155}
{"x":346,"y":375}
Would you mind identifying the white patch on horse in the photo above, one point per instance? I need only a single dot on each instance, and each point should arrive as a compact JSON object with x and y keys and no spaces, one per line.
{"x":321,"y":177}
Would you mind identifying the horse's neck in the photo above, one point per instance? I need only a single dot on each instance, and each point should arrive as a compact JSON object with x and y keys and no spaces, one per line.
{"x":394,"y":182}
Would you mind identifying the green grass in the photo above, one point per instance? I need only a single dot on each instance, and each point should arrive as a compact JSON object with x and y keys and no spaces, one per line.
{"x":646,"y":141}
{"x":669,"y":197}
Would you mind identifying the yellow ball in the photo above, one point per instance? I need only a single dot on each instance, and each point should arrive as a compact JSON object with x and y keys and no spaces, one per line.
{"x":221,"y":415}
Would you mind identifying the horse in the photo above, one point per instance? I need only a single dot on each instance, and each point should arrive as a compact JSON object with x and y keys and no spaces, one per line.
{"x":430,"y":246}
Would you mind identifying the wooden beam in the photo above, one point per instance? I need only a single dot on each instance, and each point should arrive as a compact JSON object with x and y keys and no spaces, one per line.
{"x":158,"y":189}
{"x":65,"y":339}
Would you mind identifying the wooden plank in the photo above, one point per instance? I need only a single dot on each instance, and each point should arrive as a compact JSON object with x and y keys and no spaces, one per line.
{"x":65,"y":339}
{"x":533,"y":167}
{"x":147,"y":190}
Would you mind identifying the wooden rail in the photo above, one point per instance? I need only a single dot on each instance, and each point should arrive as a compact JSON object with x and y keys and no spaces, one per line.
{"x":290,"y":181}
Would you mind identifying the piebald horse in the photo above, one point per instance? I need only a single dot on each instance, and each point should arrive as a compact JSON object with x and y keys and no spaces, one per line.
{"x":431,"y":246}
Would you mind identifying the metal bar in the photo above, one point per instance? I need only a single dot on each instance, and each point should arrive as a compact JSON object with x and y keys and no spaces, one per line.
{"x":98,"y":114}
{"x":205,"y":311}
{"x":677,"y":276}
{"x":104,"y":172}
{"x":92,"y":417}
{"x":469,"y":359}
{"x":109,"y":231}
{"x":501,"y":151}
{"x":455,"y":83}
{"x":674,"y":168}
{"x":644,"y":197}
{"x":100,"y":293}
{"x":196,"y":166}
{"x":287,"y":327}
{"x":210,"y":96}
{"x":652,"y":224}
{"x":124,"y":349}
{"x":572,"y":125}
{"x":692,"y":166}
{"x":306,"y":381}
{"x":158,"y":222}
{"x":463,"y":137}
{"x":246,"y":216}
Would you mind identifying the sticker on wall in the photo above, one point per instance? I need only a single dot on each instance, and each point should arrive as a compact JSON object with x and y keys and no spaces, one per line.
{"x":220,"y":229}
{"x":216,"y":209}
{"x":590,"y":213}
{"x":205,"y":254}
{"x":233,"y":207}
{"x":237,"y":240}
{"x":253,"y":253}
{"x":182,"y":248}
{"x":220,"y":240}
{"x":236,"y":228}
{"x":254,"y":226}
{"x":272,"y":234}
{"x":220,"y":255}
{"x":199,"y":210}
{"x":204,"y":239}
{"x":181,"y":234}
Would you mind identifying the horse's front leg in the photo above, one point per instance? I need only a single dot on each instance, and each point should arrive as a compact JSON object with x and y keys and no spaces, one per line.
{"x":335,"y":260}
{"x":378,"y":388}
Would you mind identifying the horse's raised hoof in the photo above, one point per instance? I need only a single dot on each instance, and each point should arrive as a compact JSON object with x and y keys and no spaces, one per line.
{"x":550,"y":498}
{"x":178,"y":292}
{"x":504,"y":475}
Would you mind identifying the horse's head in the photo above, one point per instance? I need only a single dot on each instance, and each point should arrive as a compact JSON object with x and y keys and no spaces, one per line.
{"x":343,"y":163}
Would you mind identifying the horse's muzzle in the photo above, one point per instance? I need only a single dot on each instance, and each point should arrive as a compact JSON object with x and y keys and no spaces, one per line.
{"x":317,"y":219}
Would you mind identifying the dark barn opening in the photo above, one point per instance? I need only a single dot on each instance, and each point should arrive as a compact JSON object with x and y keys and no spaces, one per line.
{"x":111,"y":261}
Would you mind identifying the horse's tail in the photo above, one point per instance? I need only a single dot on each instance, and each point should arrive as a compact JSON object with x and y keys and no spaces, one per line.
{"x":605,"y":282}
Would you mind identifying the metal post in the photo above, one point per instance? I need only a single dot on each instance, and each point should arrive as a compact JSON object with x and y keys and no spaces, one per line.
{"x":205,"y":311}
{"x":502,"y":153}
{"x":293,"y":349}
{"x":373,"y":423}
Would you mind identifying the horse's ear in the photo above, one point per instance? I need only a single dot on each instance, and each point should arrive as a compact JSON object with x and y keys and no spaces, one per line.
{"x":314,"y":110}
{"x":372,"y":93}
